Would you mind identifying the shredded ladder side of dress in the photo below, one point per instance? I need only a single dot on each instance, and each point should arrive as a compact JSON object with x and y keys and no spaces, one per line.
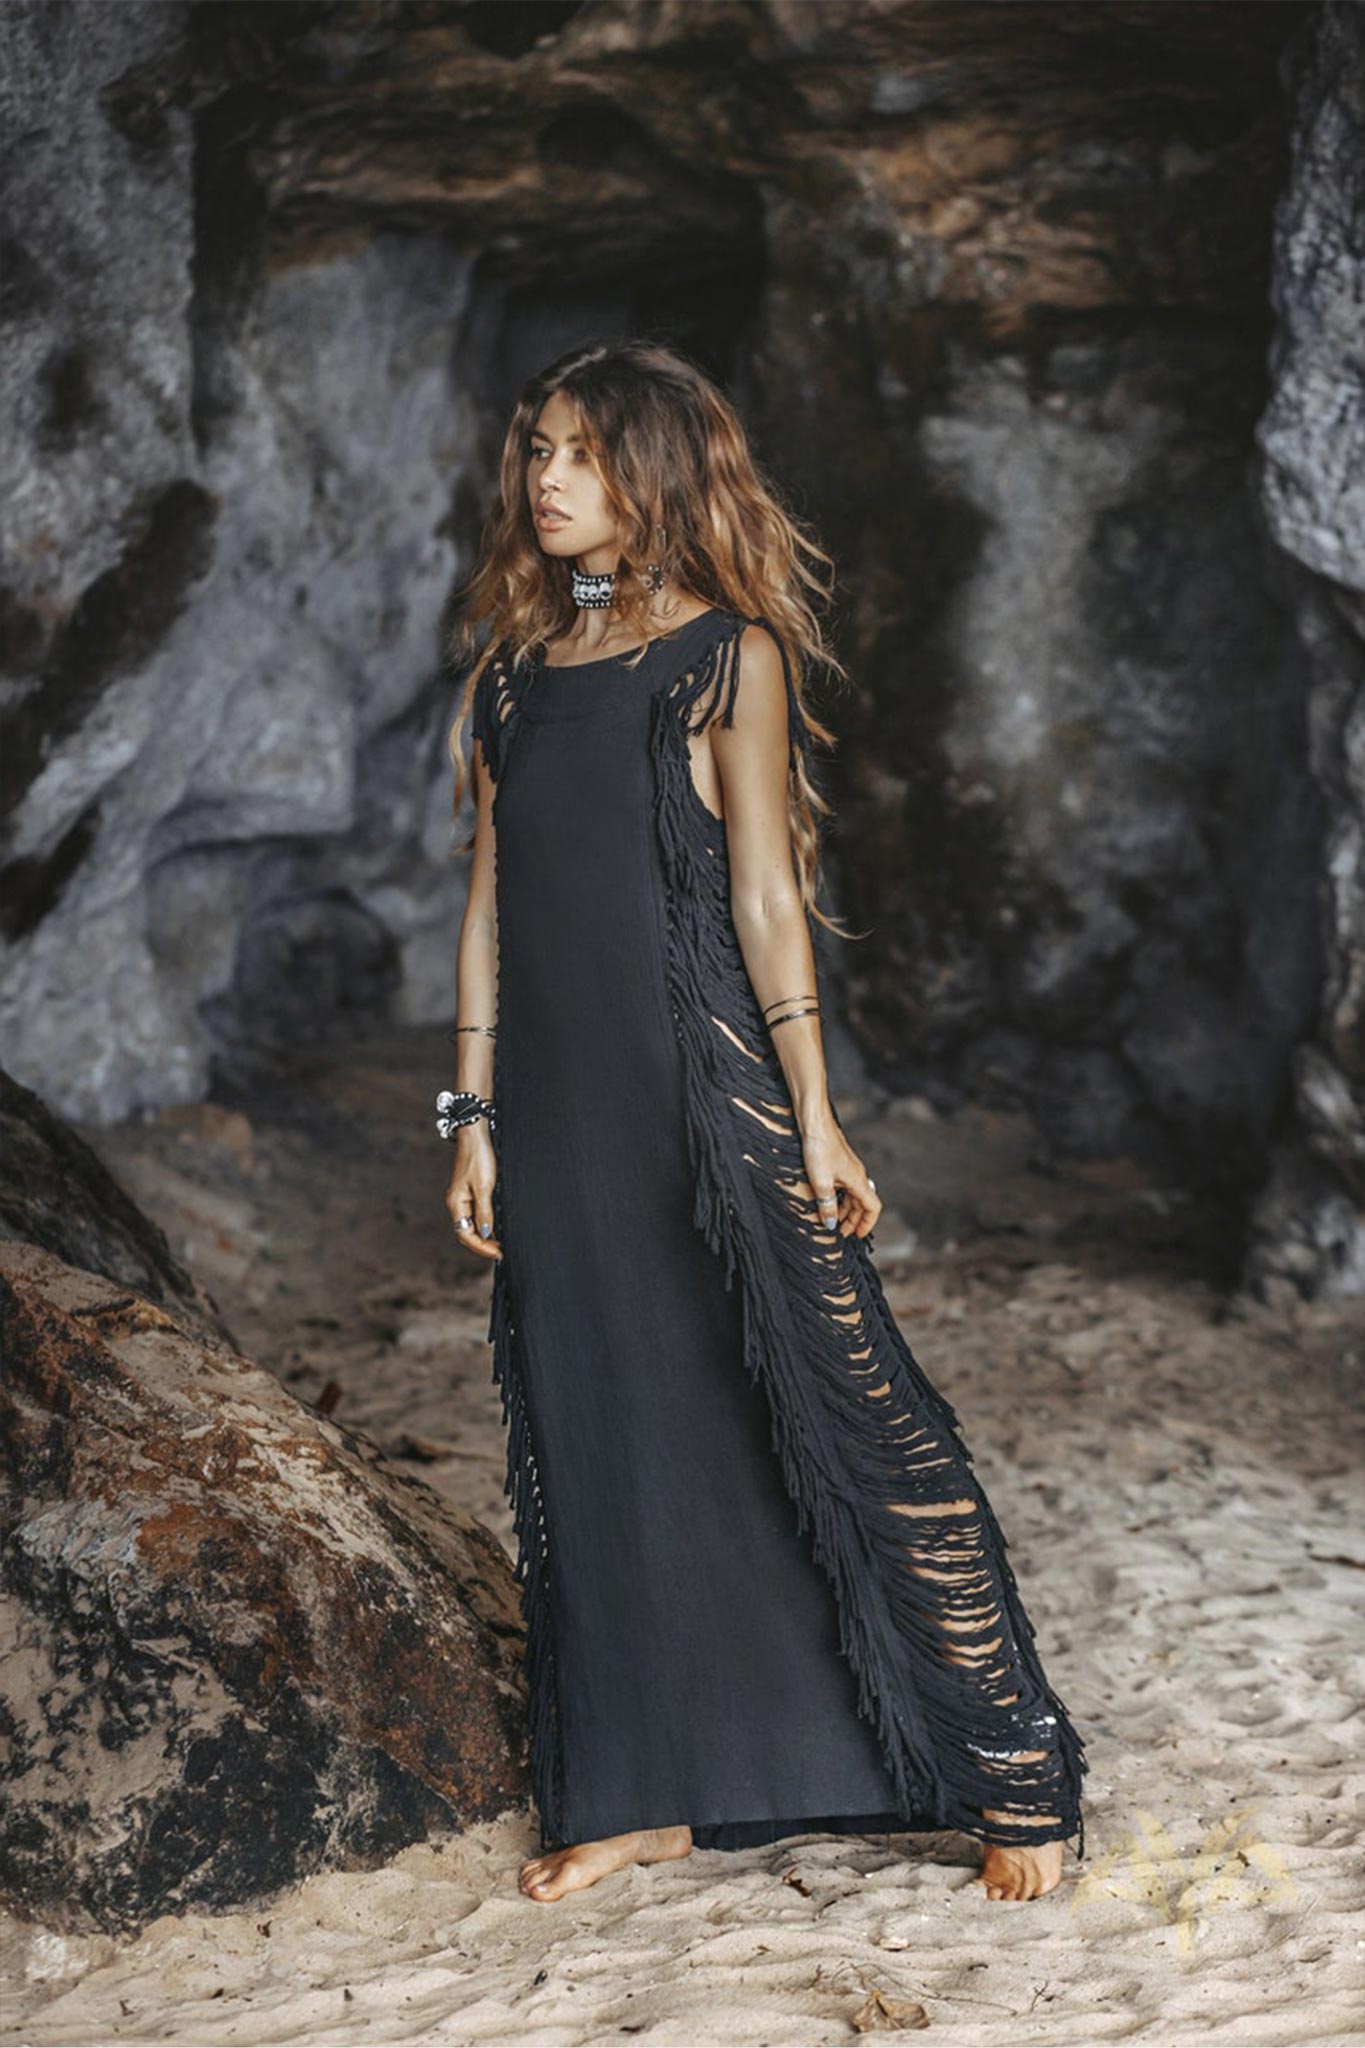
{"x":931,"y":1620}
{"x":493,"y":724}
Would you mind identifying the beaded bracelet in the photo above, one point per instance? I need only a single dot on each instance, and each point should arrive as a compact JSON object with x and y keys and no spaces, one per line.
{"x":457,"y":1107}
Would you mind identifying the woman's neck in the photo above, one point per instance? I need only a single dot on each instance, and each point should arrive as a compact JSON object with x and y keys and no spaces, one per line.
{"x":602,"y":630}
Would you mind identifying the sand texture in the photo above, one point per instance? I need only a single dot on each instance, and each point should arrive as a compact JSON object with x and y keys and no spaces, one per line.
{"x":1178,"y":1475}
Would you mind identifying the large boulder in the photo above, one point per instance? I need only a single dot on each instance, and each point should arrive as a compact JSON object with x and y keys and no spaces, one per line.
{"x":236,"y":1644}
{"x":57,"y":1193}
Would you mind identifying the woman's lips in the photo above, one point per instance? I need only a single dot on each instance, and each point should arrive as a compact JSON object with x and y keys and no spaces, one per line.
{"x":547,"y":516}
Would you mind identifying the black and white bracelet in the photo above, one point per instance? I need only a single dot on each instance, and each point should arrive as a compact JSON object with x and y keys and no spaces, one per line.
{"x":457,"y":1107}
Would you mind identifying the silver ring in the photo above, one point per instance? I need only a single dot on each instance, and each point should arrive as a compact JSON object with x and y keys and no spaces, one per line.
{"x":465,"y":1223}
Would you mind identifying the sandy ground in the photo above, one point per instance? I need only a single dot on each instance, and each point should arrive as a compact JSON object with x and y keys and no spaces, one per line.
{"x":1178,"y":1476}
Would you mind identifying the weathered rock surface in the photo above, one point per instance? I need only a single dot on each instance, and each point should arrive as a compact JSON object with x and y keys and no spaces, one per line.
{"x":223,"y":506}
{"x":55,"y":1193}
{"x":237,"y":1645}
{"x":1309,"y":1225}
{"x":993,"y":287}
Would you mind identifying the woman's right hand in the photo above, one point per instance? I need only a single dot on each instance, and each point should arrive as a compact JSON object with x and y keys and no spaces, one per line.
{"x":470,"y":1194}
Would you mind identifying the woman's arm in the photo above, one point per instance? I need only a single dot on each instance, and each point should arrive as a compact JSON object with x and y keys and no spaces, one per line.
{"x":474,"y":1174}
{"x":752,"y":756}
{"x":476,"y":977}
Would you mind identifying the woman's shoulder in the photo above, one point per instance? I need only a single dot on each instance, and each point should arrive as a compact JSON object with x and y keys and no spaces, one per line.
{"x":745,"y":638}
{"x":704,"y":658}
{"x":744,"y":674}
{"x":748,"y":629}
{"x":709,"y":634}
{"x":497,"y":692}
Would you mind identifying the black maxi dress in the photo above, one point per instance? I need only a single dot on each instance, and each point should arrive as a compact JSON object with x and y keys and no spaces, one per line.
{"x":764,"y":1592}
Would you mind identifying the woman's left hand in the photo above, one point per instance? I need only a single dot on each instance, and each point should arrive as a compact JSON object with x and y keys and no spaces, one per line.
{"x":846,"y":1196}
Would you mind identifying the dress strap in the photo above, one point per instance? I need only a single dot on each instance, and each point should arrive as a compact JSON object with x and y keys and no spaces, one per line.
{"x":710,"y":686}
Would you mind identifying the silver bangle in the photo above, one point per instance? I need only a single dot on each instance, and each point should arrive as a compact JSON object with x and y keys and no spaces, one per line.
{"x":812,"y":1011}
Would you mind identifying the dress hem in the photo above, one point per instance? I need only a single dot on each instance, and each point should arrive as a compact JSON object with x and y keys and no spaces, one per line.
{"x":761,"y":1830}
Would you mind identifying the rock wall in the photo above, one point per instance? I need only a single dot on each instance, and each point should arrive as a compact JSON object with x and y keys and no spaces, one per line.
{"x":992,"y":286}
{"x":1076,"y":811}
{"x":1308,"y":1231}
{"x":223,"y":501}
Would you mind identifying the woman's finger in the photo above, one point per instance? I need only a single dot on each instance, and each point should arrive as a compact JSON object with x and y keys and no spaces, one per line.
{"x":483,"y":1210}
{"x":872,"y":1208}
{"x":460,"y":1203}
{"x":864,"y":1204}
{"x":469,"y":1207}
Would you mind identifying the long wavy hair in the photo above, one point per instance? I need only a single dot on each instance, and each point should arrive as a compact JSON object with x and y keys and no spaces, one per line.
{"x":674,"y":461}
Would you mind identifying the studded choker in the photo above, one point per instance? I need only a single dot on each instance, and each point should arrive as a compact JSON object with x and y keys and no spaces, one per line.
{"x":594,"y":593}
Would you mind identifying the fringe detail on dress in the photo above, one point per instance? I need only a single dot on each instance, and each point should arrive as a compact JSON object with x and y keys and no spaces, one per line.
{"x":931,"y":1620}
{"x":491,"y":715}
{"x":493,"y":723}
{"x":523,"y":1491}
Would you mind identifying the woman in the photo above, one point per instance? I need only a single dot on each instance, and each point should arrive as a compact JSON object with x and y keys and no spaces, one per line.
{"x":764,"y":1593}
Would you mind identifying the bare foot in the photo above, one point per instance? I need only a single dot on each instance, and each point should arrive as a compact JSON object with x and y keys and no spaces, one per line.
{"x":1009,"y":1871}
{"x":567,"y":1870}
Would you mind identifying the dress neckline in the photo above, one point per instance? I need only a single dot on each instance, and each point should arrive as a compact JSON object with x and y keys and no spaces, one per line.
{"x":555,"y":668}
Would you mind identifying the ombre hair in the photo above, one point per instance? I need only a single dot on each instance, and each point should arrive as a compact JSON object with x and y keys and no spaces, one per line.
{"x":674,"y":460}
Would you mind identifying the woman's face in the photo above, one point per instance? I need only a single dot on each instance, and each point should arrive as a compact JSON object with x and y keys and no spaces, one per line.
{"x":561,"y":475}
